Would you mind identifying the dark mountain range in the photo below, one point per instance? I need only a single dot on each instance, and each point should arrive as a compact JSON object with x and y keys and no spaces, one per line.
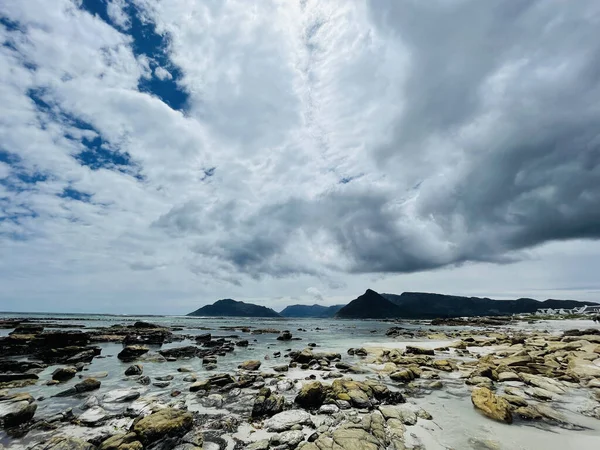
{"x":311,"y":311}
{"x":231,"y":308}
{"x":426,"y":305}
{"x":422,"y":305}
{"x":370,"y":305}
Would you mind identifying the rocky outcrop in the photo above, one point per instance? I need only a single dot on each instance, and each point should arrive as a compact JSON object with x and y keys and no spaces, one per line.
{"x":250,"y":365}
{"x":64,"y":373}
{"x":491,"y":405}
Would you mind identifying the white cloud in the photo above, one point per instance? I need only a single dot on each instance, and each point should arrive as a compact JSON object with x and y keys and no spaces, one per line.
{"x":320,"y":138}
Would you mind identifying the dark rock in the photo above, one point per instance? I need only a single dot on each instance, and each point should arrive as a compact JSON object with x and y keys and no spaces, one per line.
{"x":285,"y":336}
{"x":267,"y":404}
{"x":222,"y":379}
{"x":86,"y":385}
{"x":311,"y":395}
{"x":180,"y":352}
{"x":135,"y":369}
{"x":419,"y":351}
{"x":132,"y":352}
{"x":64,"y":373}
{"x":141,"y":324}
{"x":7,"y":377}
{"x":203,"y":337}
{"x":243,"y":343}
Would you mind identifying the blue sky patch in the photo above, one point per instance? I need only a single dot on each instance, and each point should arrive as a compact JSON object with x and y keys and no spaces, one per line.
{"x":146,"y":41}
{"x":74,"y":194}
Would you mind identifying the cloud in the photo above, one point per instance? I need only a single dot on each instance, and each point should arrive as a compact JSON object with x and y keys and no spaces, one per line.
{"x":212,"y":148}
{"x":315,"y":294}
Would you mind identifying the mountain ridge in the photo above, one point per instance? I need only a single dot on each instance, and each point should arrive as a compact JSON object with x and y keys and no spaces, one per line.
{"x":315,"y":310}
{"x":228,"y":307}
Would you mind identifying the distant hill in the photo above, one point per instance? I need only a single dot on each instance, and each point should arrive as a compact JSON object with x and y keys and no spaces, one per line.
{"x":311,"y":311}
{"x":422,"y":305}
{"x":231,"y":308}
{"x":370,"y":305}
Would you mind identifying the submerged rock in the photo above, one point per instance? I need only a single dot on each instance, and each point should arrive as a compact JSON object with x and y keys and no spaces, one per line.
{"x":136,"y":369}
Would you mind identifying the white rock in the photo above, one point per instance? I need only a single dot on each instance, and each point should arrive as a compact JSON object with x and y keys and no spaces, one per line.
{"x":93,"y":415}
{"x":328,"y":409}
{"x":286,"y":420}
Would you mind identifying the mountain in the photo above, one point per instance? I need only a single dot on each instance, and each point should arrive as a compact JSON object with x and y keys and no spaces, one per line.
{"x":370,"y":305}
{"x":311,"y":311}
{"x":228,"y":307}
{"x":422,"y":305}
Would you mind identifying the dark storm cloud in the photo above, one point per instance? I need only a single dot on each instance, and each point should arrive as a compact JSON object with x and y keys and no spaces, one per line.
{"x":497,"y":149}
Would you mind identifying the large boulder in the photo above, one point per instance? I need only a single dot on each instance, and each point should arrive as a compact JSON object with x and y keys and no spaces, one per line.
{"x":267,"y":404}
{"x":165,"y":422}
{"x":312,"y":395}
{"x":16,"y":409}
{"x":491,"y":405}
{"x":132,"y":352}
{"x":285,"y":336}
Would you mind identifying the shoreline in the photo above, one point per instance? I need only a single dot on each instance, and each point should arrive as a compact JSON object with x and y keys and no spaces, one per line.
{"x":397,"y":386}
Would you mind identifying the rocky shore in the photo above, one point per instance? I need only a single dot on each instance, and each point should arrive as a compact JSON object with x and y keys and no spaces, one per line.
{"x":165,"y":387}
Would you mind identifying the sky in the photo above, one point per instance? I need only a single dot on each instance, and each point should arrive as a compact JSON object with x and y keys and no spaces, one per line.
{"x":156,"y":156}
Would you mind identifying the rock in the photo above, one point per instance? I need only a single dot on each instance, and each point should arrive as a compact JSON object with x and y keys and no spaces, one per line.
{"x":284,"y":385}
{"x":164,"y":378}
{"x":508,"y":376}
{"x":64,"y":373}
{"x":285,"y":336}
{"x":190,"y":378}
{"x":289,"y":439}
{"x":354,"y":439}
{"x":491,"y":405}
{"x":286,"y":420}
{"x":404,"y":376}
{"x":144,"y":380}
{"x":514,"y":400}
{"x":203,"y":337}
{"x":545,"y":383}
{"x":16,"y":409}
{"x":242,"y":343}
{"x":250,"y":365}
{"x":258,"y":445}
{"x":93,"y":416}
{"x":435,"y":385}
{"x":132,"y":352}
{"x":194,"y":437}
{"x":267,"y":404}
{"x":120,"y":396}
{"x":222,"y":379}
{"x":121,"y":442}
{"x":528,"y":413}
{"x":402,"y":413}
{"x":86,"y":385}
{"x":64,"y":443}
{"x":165,"y":422}
{"x":311,"y":395}
{"x":419,"y":351}
{"x":180,"y":352}
{"x":329,"y":409}
{"x":582,"y":369}
{"x":481,"y":382}
{"x":541,"y":394}
{"x":203,"y":385}
{"x":136,"y":369}
{"x":282,"y":368}
{"x":513,"y":361}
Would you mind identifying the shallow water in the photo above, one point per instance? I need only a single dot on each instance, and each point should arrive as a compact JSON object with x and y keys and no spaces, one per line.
{"x":456,"y":424}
